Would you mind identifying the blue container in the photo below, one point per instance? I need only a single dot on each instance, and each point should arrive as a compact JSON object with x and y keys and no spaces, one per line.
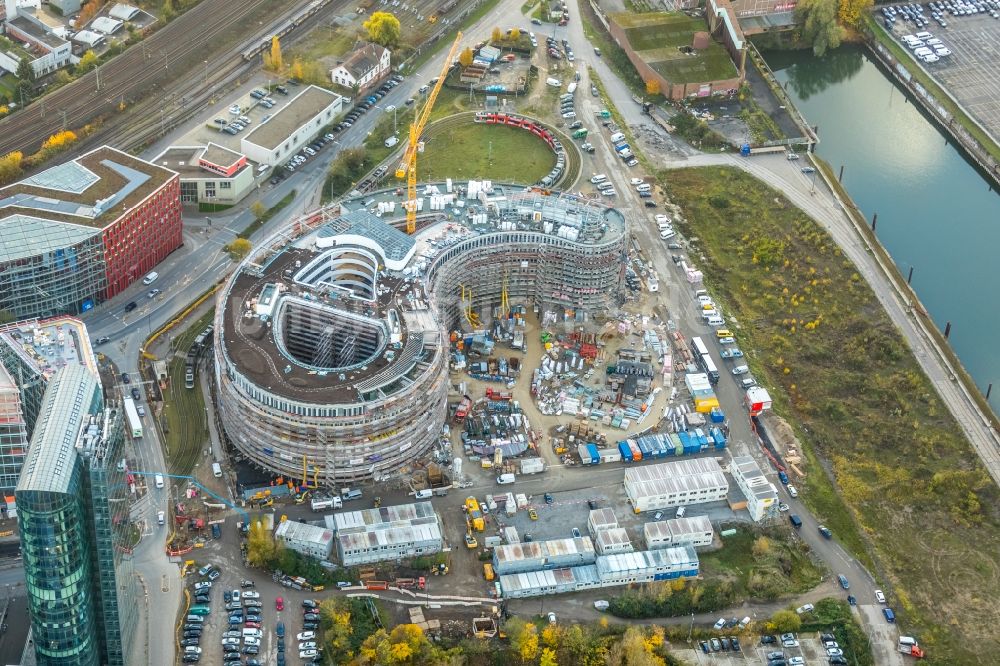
{"x":595,"y":457}
{"x":717,"y":415}
{"x":626,"y":452}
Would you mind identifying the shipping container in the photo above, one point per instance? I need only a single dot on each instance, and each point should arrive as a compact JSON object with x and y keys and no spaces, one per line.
{"x":532,"y":465}
{"x":595,"y":457}
{"x":610,"y":455}
{"x":636,"y":451}
{"x":584,"y":452}
{"x":625,"y":450}
{"x":718,"y":416}
{"x":643,"y":448}
{"x":718,"y":438}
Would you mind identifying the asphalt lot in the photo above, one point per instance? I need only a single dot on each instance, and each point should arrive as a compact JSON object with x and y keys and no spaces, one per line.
{"x":753,"y":652}
{"x":971,"y":74}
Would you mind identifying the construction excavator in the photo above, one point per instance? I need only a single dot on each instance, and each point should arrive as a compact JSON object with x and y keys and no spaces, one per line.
{"x":408,"y":166}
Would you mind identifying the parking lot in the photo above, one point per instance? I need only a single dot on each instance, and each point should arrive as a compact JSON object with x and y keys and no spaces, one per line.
{"x":809,"y":649}
{"x":224,"y":555}
{"x":971,"y":74}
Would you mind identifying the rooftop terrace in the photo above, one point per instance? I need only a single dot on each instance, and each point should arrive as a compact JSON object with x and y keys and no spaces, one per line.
{"x":92,"y":190}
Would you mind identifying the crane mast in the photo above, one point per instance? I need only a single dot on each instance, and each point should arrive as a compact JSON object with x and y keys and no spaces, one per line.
{"x":408,"y":166}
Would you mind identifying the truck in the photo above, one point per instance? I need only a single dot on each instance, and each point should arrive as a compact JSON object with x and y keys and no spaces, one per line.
{"x":488,"y":571}
{"x":476,"y":520}
{"x":625,"y":154}
{"x":410,"y":583}
{"x":134,"y":422}
{"x":217,"y":470}
{"x":376,"y":585}
{"x":908,"y":645}
{"x":580,"y":133}
{"x":463,"y":409}
{"x":505,"y":479}
{"x":328,"y":503}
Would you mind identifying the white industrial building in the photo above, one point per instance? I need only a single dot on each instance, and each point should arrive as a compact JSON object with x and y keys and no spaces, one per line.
{"x":306,"y":539}
{"x":601,"y":519}
{"x":607,"y":571}
{"x":536,"y":555}
{"x":613,"y":540}
{"x":695,"y":531}
{"x":688,"y":481}
{"x":292,"y":126}
{"x":762,"y":496}
{"x":388,"y":533}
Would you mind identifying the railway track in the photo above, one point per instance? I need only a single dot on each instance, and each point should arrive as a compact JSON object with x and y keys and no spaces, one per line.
{"x":152,"y":64}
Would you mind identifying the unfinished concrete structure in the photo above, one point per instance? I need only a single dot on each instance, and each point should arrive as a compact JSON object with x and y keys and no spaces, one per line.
{"x":332,"y":352}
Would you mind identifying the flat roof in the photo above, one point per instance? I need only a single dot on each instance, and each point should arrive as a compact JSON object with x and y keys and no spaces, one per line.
{"x":48,"y":345}
{"x":285,"y":121}
{"x":49,"y":39}
{"x":92,"y":190}
{"x":220,"y":155}
{"x":184,"y":160}
{"x":304,"y":532}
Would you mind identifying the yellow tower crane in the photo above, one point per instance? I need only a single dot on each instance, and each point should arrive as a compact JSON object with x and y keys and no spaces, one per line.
{"x":408,"y":167}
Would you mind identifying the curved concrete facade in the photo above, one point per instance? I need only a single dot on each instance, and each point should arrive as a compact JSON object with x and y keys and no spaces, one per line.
{"x":320,"y":366}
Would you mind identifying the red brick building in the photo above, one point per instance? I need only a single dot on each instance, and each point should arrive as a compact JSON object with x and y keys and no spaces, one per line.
{"x":82,"y":231}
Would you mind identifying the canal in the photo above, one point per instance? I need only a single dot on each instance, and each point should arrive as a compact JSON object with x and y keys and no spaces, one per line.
{"x":936,"y":213}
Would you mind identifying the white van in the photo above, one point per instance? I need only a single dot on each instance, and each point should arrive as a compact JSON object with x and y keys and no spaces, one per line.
{"x":159,"y":480}
{"x":616,"y":137}
{"x":680,"y":511}
{"x":424,"y":494}
{"x":160,"y":518}
{"x":923,"y":51}
{"x":251,"y":633}
{"x":151,"y":278}
{"x":391,"y":141}
{"x":645,"y":187}
{"x":716,"y":321}
{"x":598,"y":178}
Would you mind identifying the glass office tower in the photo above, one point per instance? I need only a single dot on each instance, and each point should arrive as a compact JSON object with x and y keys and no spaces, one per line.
{"x":73,"y":513}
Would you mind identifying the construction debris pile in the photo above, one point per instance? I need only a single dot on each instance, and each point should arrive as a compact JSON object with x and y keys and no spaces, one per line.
{"x":493,"y":424}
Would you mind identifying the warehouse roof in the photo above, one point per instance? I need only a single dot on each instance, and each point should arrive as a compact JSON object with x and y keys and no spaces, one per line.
{"x":612,"y":537}
{"x":304,"y":533}
{"x":284,"y":122}
{"x":545,"y":550}
{"x":602,"y":519}
{"x":123,"y":12}
{"x":667,"y":558}
{"x":676,"y":528}
{"x":387,"y":526}
{"x":550,"y":579}
{"x":688,"y":475}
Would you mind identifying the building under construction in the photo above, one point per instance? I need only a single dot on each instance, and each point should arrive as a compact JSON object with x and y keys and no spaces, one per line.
{"x":332,"y":354}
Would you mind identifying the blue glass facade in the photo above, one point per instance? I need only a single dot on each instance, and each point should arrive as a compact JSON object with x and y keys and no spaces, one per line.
{"x":73,"y":511}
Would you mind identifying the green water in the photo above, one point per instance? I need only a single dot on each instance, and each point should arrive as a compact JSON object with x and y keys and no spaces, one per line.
{"x":936,"y":213}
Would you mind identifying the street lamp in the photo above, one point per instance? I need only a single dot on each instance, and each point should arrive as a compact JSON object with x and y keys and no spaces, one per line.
{"x":206,"y":73}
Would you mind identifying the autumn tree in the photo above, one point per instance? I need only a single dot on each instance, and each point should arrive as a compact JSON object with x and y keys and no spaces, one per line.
{"x":60,"y":140}
{"x":261,"y":547}
{"x":653,"y":87}
{"x":552,"y":636}
{"x":636,"y":649}
{"x":258,"y":209}
{"x":819,"y":24}
{"x":272,"y":59}
{"x":405,"y":644}
{"x":335,"y":619}
{"x":515,"y":34}
{"x":383,"y":28}
{"x":548,"y":658}
{"x":87,"y":62}
{"x":297,"y":70}
{"x":88,"y":12}
{"x":465,"y":57}
{"x":785,"y":621}
{"x":523,"y":638}
{"x":851,"y":11}
{"x":239,"y":248}
{"x":10,"y":166}
{"x":761,"y":547}
{"x":497,"y":35}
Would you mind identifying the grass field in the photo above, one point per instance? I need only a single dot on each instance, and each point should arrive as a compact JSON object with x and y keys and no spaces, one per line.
{"x":183,"y":418}
{"x":464,"y":152}
{"x":660,"y":30}
{"x":908,"y":486}
{"x":781,"y":566}
{"x":324,"y":41}
{"x":712,"y":64}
